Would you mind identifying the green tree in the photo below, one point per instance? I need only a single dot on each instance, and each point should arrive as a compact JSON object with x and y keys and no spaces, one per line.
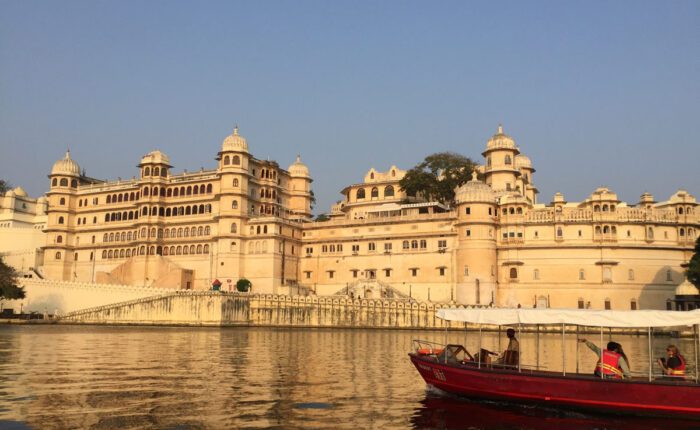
{"x":8,"y":283}
{"x":321,"y":218}
{"x":437,"y":177}
{"x":4,"y":187}
{"x":313,"y":199}
{"x":243,"y":285}
{"x":693,"y":272}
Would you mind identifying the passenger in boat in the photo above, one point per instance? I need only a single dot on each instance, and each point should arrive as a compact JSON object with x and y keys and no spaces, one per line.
{"x":511,"y":356}
{"x":614,"y":361}
{"x":674,"y":367}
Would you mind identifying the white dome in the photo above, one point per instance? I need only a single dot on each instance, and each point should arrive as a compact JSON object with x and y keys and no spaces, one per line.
{"x":66,"y":166}
{"x":299,"y":169}
{"x":687,"y":289}
{"x":522,"y":161}
{"x":155,"y":157}
{"x":475,"y":191}
{"x":234,"y":142}
{"x":500,"y":140}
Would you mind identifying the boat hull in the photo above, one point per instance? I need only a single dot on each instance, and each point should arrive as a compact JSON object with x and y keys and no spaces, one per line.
{"x":636,"y":397}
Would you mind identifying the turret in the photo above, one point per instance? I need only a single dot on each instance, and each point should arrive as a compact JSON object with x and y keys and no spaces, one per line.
{"x":500,"y":171}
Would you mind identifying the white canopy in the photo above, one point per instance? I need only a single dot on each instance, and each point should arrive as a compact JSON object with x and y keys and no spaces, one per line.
{"x":583,"y":317}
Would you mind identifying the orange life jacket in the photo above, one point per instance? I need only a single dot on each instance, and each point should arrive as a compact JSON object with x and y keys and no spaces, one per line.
{"x":610,"y":364}
{"x":680,"y":370}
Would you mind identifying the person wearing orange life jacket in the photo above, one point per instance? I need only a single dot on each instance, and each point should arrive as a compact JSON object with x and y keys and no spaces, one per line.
{"x":611,"y":360}
{"x":674,"y":367}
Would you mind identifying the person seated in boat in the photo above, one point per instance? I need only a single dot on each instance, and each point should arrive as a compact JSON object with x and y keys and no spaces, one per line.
{"x":674,"y":367}
{"x":511,"y":356}
{"x":613,"y":362}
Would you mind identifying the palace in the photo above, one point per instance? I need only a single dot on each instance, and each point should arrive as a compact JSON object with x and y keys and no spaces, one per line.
{"x":251,"y":219}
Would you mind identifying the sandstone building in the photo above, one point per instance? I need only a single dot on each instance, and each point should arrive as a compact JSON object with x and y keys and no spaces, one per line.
{"x":250,"y":218}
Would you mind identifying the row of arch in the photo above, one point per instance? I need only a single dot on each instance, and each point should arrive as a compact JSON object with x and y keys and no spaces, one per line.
{"x":122,"y":216}
{"x":374,"y":192}
{"x":604,"y":208}
{"x":156,"y":233}
{"x":178,"y":192}
{"x":153,"y":250}
{"x":177,"y":211}
{"x":64,"y":182}
{"x":157,"y":171}
{"x":124,"y":197}
{"x":235,"y":160}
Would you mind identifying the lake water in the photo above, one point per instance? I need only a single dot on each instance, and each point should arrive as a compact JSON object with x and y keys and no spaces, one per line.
{"x":189,"y":378}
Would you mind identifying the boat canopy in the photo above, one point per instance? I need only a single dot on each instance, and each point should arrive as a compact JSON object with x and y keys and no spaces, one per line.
{"x":582,"y":317}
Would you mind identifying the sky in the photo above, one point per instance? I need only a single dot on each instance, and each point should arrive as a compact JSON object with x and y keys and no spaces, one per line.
{"x":595,"y":93}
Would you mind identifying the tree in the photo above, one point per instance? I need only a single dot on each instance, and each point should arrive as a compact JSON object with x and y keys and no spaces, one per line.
{"x":437,"y":177}
{"x":312,"y":200}
{"x":243,"y":285}
{"x":4,"y":187}
{"x":693,"y":272}
{"x":321,"y":218}
{"x":8,"y":283}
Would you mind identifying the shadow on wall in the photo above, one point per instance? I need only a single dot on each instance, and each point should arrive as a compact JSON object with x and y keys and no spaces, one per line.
{"x":662,"y":287}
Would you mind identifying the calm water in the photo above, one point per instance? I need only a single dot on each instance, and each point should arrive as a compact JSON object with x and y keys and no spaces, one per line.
{"x":189,"y":378}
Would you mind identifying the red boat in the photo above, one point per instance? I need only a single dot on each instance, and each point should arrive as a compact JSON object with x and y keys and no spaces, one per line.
{"x":454,"y":370}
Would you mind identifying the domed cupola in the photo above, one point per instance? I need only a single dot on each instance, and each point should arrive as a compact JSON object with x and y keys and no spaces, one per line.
{"x":234,"y":142}
{"x":475,"y":191}
{"x":522,"y":161}
{"x":299,"y":169}
{"x":66,"y":166}
{"x":500,"y":140}
{"x":155,"y":157}
{"x":154,"y":164}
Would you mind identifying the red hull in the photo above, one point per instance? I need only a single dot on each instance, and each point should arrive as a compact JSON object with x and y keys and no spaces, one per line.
{"x":671,"y":399}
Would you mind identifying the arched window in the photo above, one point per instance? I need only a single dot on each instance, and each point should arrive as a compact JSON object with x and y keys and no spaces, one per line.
{"x":167,"y":212}
{"x":265,"y":229}
{"x":235,"y":182}
{"x":236,"y":160}
{"x":512,"y":211}
{"x":201,"y":189}
{"x":59,"y":239}
{"x":520,"y":210}
{"x":151,"y":250}
{"x":651,"y":233}
{"x":360,"y":193}
{"x":630,"y":275}
{"x":375,"y":192}
{"x":62,"y":201}
{"x":208,"y":188}
{"x":121,"y":254}
{"x":581,"y":275}
{"x":60,"y":220}
{"x":234,"y":205}
{"x":208,"y":208}
{"x":104,"y":254}
{"x":185,"y":250}
{"x":74,"y":183}
{"x":508,"y":161}
{"x":606,"y":229}
{"x":105,"y":238}
{"x":54,"y":182}
{"x":680,"y":211}
{"x":123,"y":236}
{"x":605,"y":208}
{"x":193,"y":231}
{"x":188,"y":210}
{"x":156,"y":171}
{"x":597,"y":229}
{"x":110,"y":254}
{"x":414,"y":244}
{"x":178,"y":250}
{"x":199,"y":249}
{"x":201,"y":209}
{"x":64,"y":182}
{"x":192,"y":248}
{"x":682,"y":232}
{"x":405,"y":244}
{"x":194,"y":208}
{"x":560,"y":233}
{"x":488,"y":161}
{"x":195,"y":190}
{"x":227,"y":160}
{"x":207,"y":231}
{"x":513,"y":271}
{"x":206,"y":249}
{"x":142,"y":250}
{"x":389,"y":191}
{"x":668,"y":275}
{"x":200,"y":231}
{"x":163,"y":172}
{"x":234,"y":228}
{"x":147,"y":171}
{"x":596,"y":208}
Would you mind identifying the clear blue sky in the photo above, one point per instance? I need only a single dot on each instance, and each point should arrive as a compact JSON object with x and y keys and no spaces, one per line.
{"x":595,"y":93}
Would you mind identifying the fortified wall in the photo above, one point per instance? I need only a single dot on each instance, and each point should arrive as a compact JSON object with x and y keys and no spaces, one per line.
{"x":209,"y":308}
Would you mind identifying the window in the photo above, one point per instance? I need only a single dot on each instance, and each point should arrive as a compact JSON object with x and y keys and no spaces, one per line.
{"x":414,"y":272}
{"x":360,"y":194}
{"x":354,"y":273}
{"x":227,"y":160}
{"x":58,"y":255}
{"x":424,"y":244}
{"x":414,"y":244}
{"x":668,"y":275}
{"x":235,"y":182}
{"x":307,"y":274}
{"x":630,"y":275}
{"x":387,"y":273}
{"x":64,"y":182}
{"x":468,"y":233}
{"x":356,"y":248}
{"x":442,"y":271}
{"x":508,"y":160}
{"x":59,"y":239}
{"x":54,"y":182}
{"x":633,"y":305}
{"x":442,"y":244}
{"x":468,"y":211}
{"x":331,"y":273}
{"x":560,"y":233}
{"x":60,"y":220}
{"x":650,"y":233}
{"x":404,"y":244}
{"x":536,"y":274}
{"x":375,"y":193}
{"x":466,"y":270}
{"x":372,"y":246}
{"x":309,"y":250}
{"x":389,"y":191}
{"x":513,"y":273}
{"x":237,"y":161}
{"x":387,"y":247}
{"x":581,"y":275}
{"x":234,"y":228}
{"x":580,"y":304}
{"x":607,"y":304}
{"x":62,"y":201}
{"x":324,"y":248}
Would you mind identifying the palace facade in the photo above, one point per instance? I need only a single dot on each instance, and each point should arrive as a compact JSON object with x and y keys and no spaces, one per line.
{"x":249,"y":218}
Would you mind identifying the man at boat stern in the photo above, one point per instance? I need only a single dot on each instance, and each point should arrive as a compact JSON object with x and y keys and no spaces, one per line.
{"x":511,"y":356}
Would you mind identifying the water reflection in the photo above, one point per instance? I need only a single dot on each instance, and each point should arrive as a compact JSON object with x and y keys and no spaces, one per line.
{"x":149,"y":377}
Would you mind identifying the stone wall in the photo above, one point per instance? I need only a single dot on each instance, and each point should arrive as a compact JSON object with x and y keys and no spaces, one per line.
{"x":60,"y":297}
{"x":225,"y":309}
